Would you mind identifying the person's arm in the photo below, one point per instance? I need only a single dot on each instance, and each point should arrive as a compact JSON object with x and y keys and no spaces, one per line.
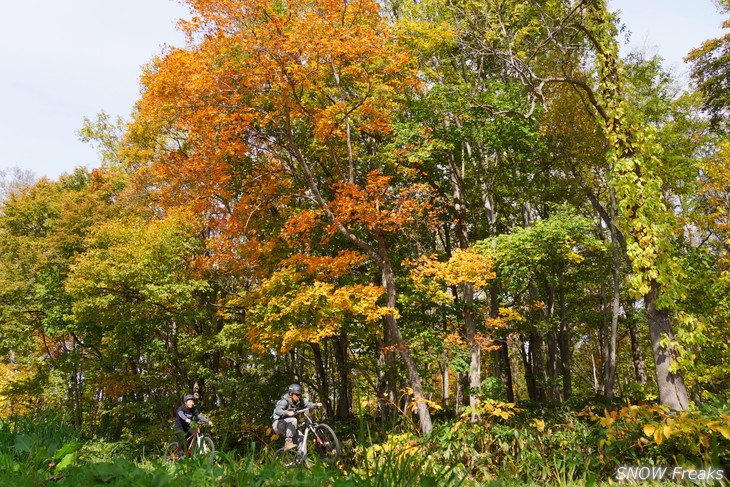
{"x":203,"y":418}
{"x":312,"y":405}
{"x":182,"y":416}
{"x":282,"y":409}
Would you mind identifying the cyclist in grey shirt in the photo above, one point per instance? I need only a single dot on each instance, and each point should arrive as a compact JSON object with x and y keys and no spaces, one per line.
{"x":284,"y":417}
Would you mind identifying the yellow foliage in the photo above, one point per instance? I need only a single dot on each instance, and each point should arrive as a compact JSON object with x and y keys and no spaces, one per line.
{"x":658,"y":425}
{"x":11,"y":373}
{"x":413,"y":405}
{"x":511,"y":315}
{"x":576,"y":258}
{"x":490,"y":407}
{"x":290,"y":307}
{"x":400,"y":445}
{"x":464,"y":267}
{"x":723,"y":430}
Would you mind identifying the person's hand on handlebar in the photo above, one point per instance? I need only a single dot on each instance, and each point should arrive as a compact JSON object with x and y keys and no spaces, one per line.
{"x":305,"y":410}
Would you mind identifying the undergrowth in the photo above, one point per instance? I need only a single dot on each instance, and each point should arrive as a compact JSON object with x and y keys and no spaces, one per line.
{"x":493,"y":444}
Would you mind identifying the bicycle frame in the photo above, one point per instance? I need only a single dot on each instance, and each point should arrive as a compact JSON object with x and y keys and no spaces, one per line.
{"x":304,"y":429}
{"x":197,"y":444}
{"x":325,"y":442}
{"x":195,"y":440}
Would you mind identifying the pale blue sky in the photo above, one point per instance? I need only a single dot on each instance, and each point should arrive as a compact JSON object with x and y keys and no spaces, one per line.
{"x":669,"y":28}
{"x":62,"y":60}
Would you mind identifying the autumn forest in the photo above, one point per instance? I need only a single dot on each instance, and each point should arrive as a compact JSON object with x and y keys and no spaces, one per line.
{"x":490,"y":244}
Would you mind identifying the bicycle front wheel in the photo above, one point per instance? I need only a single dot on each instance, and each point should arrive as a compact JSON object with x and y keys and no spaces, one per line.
{"x":206,"y":449}
{"x":326,"y":443}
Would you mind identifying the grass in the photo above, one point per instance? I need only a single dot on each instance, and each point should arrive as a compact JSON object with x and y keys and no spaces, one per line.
{"x":43,"y":450}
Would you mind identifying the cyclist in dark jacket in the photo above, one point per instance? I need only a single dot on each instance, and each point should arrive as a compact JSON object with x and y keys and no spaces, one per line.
{"x":284,"y":417}
{"x":184,"y":416}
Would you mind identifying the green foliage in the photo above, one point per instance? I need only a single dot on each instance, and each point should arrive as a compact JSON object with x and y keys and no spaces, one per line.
{"x":32,"y":451}
{"x":568,"y":444}
{"x":709,"y":70}
{"x":564,"y":445}
{"x":403,"y":460}
{"x":549,"y":248}
{"x":34,"y":445}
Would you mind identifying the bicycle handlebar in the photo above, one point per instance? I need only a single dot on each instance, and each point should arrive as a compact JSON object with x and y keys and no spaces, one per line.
{"x":305,"y":410}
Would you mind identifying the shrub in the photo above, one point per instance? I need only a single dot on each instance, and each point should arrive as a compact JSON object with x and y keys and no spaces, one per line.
{"x":647,"y":434}
{"x":499,"y":440}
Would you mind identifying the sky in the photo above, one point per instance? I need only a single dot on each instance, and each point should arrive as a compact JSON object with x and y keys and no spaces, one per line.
{"x":61,"y":61}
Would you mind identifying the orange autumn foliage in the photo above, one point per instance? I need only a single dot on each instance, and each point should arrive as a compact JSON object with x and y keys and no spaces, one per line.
{"x":224,"y":123}
{"x":377,"y":205}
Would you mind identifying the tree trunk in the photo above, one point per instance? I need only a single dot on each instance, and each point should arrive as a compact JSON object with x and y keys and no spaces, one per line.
{"x":404,"y":351}
{"x":457,"y":175}
{"x":638,"y":173}
{"x":553,"y":389}
{"x":637,"y":353}
{"x":552,"y":363}
{"x":344,"y":395}
{"x":462,"y":380}
{"x":76,"y":396}
{"x":322,"y":385}
{"x":444,"y":370}
{"x":566,"y":351}
{"x":385,"y":382}
{"x":566,"y":354}
{"x":672,"y":391}
{"x":500,"y":357}
{"x":475,"y":363}
{"x":596,"y":384}
{"x":538,"y":366}
{"x":530,"y":382}
{"x":506,"y":369}
{"x":611,"y":335}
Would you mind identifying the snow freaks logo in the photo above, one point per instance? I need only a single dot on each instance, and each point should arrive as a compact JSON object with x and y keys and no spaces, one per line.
{"x":656,"y":473}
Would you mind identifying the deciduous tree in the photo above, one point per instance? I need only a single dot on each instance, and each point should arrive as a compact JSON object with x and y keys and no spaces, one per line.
{"x":303,"y":91}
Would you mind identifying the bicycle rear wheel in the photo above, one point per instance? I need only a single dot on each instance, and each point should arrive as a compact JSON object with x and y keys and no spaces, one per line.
{"x":172,"y":452}
{"x":289,"y":458}
{"x":326,"y":443}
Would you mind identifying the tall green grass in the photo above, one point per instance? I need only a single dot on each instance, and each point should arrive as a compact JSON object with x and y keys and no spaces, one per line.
{"x":43,"y":449}
{"x":35,"y":447}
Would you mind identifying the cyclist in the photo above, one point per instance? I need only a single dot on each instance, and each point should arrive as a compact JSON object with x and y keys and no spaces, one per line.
{"x":185,"y":414}
{"x":285,"y":422}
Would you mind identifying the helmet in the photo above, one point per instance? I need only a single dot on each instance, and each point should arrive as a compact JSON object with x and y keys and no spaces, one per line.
{"x":188,"y":397}
{"x":295,"y":389}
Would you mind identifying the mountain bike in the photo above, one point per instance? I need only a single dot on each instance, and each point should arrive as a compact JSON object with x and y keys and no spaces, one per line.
{"x":199,"y":445}
{"x":325,"y":443}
